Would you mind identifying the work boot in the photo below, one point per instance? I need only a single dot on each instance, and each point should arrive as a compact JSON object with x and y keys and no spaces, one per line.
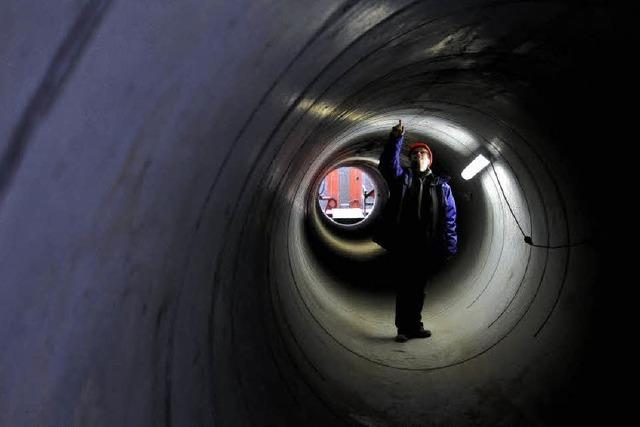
{"x":421,"y":332}
{"x":402,"y":338}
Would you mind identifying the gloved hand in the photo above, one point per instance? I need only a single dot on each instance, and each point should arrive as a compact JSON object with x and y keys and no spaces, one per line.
{"x":397,"y":131}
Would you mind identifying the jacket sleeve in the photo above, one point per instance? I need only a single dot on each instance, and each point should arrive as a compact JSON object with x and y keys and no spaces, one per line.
{"x":389,"y":165}
{"x":451,"y":235}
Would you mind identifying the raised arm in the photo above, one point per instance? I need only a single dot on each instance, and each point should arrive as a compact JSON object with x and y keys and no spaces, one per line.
{"x":389,"y":165}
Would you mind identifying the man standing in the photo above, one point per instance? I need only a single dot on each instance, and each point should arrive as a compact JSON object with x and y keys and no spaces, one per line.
{"x":417,"y":227}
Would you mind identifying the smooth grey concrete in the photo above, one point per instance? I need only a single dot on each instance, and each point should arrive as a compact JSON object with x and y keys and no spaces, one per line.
{"x":163,"y":258}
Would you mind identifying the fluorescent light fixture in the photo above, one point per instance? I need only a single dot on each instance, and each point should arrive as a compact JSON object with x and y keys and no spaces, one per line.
{"x":474,"y":167}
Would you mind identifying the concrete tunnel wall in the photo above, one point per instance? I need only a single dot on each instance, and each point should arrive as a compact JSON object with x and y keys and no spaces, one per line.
{"x":162,"y":262}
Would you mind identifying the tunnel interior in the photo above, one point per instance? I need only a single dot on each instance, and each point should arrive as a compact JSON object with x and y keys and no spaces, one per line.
{"x":165,"y":260}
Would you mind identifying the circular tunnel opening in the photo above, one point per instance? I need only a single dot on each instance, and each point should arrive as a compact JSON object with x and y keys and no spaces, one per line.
{"x":498,"y":289}
{"x":355,"y":274}
{"x":347,"y":195}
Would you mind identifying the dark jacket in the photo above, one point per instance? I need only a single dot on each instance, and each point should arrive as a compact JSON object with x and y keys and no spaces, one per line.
{"x":389,"y":232}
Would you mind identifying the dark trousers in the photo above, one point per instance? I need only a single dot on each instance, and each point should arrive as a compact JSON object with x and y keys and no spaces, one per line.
{"x":415,"y":271}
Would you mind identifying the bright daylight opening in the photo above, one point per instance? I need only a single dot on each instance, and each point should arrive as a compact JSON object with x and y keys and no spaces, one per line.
{"x":347,"y":195}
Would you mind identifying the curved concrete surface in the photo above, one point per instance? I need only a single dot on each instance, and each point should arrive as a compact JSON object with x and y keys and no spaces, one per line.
{"x":164,"y":260}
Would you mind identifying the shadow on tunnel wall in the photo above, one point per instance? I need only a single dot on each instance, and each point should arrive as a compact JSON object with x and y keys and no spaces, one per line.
{"x":577,"y":105}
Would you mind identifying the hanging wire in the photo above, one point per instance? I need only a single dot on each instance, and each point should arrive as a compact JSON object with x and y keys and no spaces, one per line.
{"x":527,"y":239}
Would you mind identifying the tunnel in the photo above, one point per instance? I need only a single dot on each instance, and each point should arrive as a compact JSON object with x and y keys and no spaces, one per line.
{"x":164,"y":258}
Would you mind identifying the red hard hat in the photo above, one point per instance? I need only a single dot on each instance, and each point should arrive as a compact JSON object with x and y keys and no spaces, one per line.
{"x":420,"y":144}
